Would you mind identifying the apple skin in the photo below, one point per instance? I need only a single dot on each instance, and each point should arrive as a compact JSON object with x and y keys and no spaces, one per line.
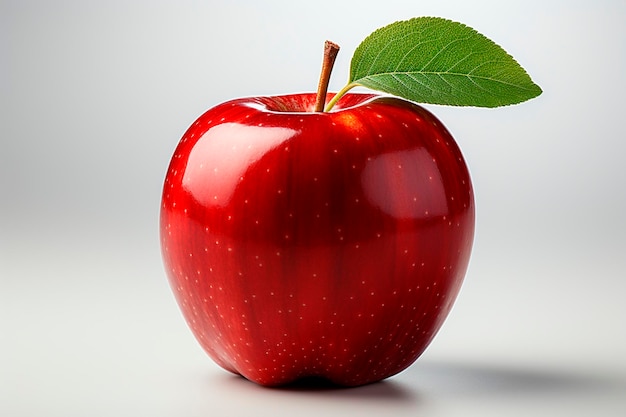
{"x":302,"y":244}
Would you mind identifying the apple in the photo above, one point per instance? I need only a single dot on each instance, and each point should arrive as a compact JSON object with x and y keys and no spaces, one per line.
{"x":328,"y":235}
{"x":316,"y":244}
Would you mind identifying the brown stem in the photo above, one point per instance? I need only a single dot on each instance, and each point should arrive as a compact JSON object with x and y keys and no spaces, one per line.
{"x":330,"y":53}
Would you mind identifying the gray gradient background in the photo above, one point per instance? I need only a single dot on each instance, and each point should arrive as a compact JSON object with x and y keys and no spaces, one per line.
{"x":95,"y":95}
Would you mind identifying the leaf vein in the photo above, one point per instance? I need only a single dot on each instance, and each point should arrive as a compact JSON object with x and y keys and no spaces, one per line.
{"x":442,"y":50}
{"x":445,"y":73}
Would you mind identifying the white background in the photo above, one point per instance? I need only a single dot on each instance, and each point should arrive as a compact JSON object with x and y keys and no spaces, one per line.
{"x":95,"y":95}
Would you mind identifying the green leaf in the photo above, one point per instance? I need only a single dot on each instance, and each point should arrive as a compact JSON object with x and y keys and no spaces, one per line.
{"x":438,"y":61}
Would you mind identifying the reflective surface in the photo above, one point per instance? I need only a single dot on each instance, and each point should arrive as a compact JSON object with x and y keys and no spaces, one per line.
{"x":316,"y":244}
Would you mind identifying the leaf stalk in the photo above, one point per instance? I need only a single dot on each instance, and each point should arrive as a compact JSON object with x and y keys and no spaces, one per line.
{"x":338,"y":96}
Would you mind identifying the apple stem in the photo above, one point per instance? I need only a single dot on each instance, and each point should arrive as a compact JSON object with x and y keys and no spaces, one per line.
{"x":330,"y":53}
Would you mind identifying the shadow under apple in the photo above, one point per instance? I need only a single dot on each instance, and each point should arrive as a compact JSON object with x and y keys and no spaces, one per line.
{"x":312,"y":387}
{"x":493,"y":381}
{"x":426,"y":379}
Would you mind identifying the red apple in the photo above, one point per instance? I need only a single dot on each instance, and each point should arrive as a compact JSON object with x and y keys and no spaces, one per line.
{"x":301,"y":243}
